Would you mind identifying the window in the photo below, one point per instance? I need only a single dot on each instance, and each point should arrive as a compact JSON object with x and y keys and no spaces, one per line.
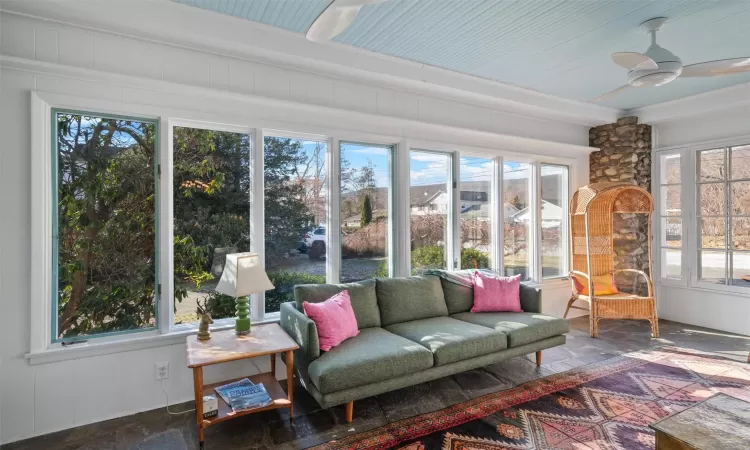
{"x":125,"y":258}
{"x":430,"y":183}
{"x":105,"y":263}
{"x":670,"y":207}
{"x":476,"y":214}
{"x":518,"y":218}
{"x":211,"y":188}
{"x":723,"y":215}
{"x":295,"y":215}
{"x":365,"y":210}
{"x":554,"y":220}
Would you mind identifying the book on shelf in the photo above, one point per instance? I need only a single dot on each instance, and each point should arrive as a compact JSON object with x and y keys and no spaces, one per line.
{"x":244,"y":395}
{"x":221,"y":390}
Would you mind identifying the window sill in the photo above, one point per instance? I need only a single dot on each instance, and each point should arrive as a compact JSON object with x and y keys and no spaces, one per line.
{"x":734,"y":291}
{"x":131,"y":343}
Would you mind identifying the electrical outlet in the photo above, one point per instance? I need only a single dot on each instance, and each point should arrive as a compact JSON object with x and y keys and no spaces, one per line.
{"x":162,"y":370}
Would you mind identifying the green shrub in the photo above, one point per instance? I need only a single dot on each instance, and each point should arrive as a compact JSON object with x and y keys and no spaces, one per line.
{"x":430,"y":256}
{"x":284,"y":283}
{"x":468,"y":255}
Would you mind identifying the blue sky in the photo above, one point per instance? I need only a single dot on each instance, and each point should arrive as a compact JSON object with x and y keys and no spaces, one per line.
{"x":425,"y":167}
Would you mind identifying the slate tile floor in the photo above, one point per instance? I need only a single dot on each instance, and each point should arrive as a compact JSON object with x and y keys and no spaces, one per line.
{"x":157,"y":430}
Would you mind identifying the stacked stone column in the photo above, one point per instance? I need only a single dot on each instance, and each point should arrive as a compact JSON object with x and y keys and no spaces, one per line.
{"x":625,"y":156}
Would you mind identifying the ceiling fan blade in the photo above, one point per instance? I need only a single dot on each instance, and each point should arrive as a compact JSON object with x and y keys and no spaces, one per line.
{"x":634,"y":60}
{"x":611,"y":94}
{"x":717,"y":68}
{"x":336,"y":18}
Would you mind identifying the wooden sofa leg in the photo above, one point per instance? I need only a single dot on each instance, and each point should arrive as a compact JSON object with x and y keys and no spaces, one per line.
{"x":349,"y":412}
{"x":539,"y":358}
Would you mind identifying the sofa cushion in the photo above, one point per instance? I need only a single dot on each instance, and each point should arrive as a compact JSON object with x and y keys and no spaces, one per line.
{"x":521,"y":328}
{"x":458,"y":298}
{"x":362,"y":295}
{"x":451,"y":340}
{"x":410,"y":298}
{"x":371,"y":356}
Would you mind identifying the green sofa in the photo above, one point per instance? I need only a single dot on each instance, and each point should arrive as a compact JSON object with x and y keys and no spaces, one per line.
{"x":412,"y":330}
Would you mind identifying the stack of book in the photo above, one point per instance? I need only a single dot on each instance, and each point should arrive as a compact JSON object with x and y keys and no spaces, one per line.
{"x":242,"y":395}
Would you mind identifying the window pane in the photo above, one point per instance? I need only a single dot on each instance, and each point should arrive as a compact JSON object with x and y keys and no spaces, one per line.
{"x":712,"y":232}
{"x":712,"y":266}
{"x":365,"y":197}
{"x":295,"y":215}
{"x":741,"y":269}
{"x":106,"y":231}
{"x":711,"y":165}
{"x":670,"y":200}
{"x":711,"y":199}
{"x":740,"y":157}
{"x":431,"y":206}
{"x":554,"y":215}
{"x":739,"y":196}
{"x":516,"y":192}
{"x":670,"y":169}
{"x":741,"y":233}
{"x":671,"y":231}
{"x":671,"y":263}
{"x":476,"y":220}
{"x":211,"y":188}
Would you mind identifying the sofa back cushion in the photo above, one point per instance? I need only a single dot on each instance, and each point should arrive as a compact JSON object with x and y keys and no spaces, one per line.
{"x":457,"y":288}
{"x":410,"y":298}
{"x":362,"y":295}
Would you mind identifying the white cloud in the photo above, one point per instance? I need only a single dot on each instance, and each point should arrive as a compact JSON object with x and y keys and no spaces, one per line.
{"x":429,"y":157}
{"x":374,"y":151}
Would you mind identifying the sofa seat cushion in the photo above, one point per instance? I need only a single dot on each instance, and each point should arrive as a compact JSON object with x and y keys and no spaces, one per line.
{"x":451,"y":340}
{"x":521,"y":328}
{"x":371,"y":356}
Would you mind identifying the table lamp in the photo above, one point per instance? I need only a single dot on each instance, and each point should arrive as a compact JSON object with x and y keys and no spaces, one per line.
{"x":243,"y":275}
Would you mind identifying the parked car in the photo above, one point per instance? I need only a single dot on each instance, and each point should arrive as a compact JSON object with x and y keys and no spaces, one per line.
{"x":318,"y":234}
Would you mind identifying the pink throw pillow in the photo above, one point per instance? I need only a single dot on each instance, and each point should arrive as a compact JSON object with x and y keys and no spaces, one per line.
{"x":334,"y":318}
{"x":496,"y":294}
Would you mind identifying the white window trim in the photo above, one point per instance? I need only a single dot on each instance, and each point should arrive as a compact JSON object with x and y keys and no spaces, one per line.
{"x":41,"y":349}
{"x":690,"y":224}
{"x":565,"y":226}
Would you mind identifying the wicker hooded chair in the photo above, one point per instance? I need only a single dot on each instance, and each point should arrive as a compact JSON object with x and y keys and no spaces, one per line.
{"x":592,"y":210}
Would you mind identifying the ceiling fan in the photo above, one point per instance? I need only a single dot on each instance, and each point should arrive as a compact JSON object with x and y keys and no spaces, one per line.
{"x":659,"y":66}
{"x":336,"y":18}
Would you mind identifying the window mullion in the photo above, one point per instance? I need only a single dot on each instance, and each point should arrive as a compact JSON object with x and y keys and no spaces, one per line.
{"x":166,"y":227}
{"x":497,"y":213}
{"x":257,"y":219}
{"x":333,"y":212}
{"x":533,"y":240}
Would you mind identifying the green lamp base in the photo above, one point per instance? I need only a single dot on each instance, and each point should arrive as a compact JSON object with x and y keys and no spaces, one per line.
{"x":242,"y":323}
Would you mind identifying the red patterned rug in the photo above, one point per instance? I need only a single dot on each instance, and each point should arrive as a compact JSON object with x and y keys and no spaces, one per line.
{"x":602,"y":406}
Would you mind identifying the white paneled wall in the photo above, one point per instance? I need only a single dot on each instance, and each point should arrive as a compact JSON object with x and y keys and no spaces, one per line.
{"x":50,"y":57}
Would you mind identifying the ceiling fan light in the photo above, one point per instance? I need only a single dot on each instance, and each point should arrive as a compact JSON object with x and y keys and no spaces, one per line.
{"x":653,"y":79}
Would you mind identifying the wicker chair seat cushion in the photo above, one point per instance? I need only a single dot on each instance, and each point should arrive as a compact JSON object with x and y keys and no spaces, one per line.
{"x":619,"y":296}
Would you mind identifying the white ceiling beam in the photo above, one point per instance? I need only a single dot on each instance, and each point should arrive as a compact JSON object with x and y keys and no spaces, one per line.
{"x":695,"y":105}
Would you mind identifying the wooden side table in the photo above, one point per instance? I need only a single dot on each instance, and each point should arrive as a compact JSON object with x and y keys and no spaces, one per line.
{"x":225,"y":346}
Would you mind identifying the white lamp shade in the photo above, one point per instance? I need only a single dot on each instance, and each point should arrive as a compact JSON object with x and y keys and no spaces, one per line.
{"x":243,"y":275}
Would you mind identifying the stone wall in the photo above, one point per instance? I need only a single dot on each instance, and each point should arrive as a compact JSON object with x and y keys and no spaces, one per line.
{"x":625,"y":155}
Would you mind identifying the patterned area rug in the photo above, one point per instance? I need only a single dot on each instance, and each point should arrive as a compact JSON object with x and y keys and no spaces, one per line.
{"x":602,"y":406}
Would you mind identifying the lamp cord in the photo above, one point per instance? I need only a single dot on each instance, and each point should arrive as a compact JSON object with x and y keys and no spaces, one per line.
{"x":161,"y":385}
